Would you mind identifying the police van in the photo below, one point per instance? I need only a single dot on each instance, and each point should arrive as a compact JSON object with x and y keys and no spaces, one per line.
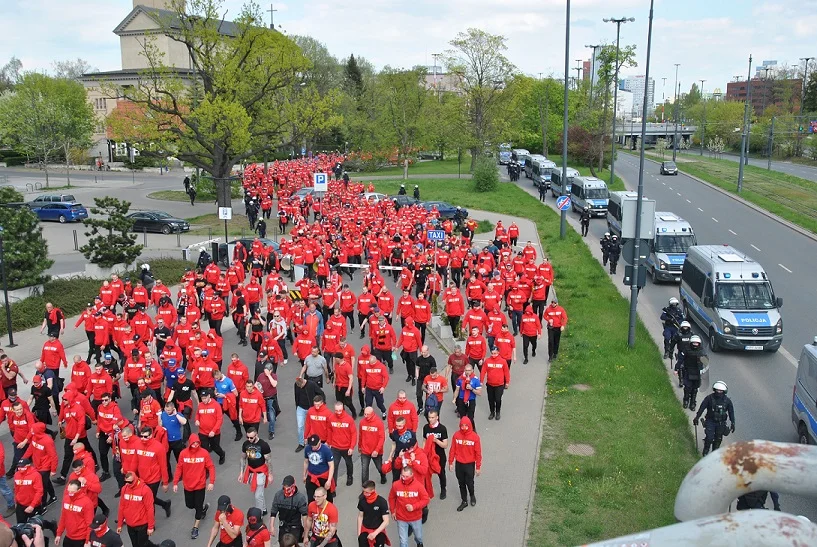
{"x":668,"y":249}
{"x":615,"y":210}
{"x":504,"y":154}
{"x":730,"y":297}
{"x":529,"y":161}
{"x":556,"y":186}
{"x":520,"y":155}
{"x":804,"y":398}
{"x":589,"y":193}
{"x":542,"y":173}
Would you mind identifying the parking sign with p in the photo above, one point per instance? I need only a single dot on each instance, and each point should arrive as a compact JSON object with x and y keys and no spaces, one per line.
{"x":321,"y":182}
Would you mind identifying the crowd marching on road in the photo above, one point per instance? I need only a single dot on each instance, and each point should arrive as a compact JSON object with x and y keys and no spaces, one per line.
{"x":148,"y":404}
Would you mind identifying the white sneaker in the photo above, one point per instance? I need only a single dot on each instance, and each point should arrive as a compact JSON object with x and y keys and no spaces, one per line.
{"x":286,"y":361}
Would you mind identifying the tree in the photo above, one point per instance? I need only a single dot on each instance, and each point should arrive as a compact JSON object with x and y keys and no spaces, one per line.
{"x":716,"y":146}
{"x":24,"y":248}
{"x":444,"y":124}
{"x":608,"y":69}
{"x":661,"y":144}
{"x":353,"y":77}
{"x":486,"y":175}
{"x":404,"y":98}
{"x":10,"y":74}
{"x":246,"y":97}
{"x":810,"y":96}
{"x":324,"y":70}
{"x":72,"y":70}
{"x":76,"y":120}
{"x":110,"y":240}
{"x":478,"y":59}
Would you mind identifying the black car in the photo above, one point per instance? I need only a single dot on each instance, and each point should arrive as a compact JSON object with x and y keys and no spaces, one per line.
{"x":669,"y":168}
{"x":445,"y":209}
{"x":157,"y":221}
{"x":404,"y":201}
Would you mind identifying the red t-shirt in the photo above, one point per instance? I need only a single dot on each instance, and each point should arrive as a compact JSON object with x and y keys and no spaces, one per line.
{"x":257,"y":538}
{"x":236,"y":518}
{"x":322,"y":518}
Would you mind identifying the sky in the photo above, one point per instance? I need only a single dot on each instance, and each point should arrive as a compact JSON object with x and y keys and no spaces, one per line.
{"x":711,"y":39}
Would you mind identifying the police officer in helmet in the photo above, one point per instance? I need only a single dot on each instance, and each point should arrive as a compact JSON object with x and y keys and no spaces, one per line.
{"x":695,"y":361}
{"x":718,"y":408}
{"x":605,"y":248}
{"x":681,"y":341}
{"x":672,"y":316}
{"x":614,"y":252}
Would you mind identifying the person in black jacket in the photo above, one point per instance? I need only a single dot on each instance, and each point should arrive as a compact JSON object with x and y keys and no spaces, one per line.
{"x":305,"y":391}
{"x":289,"y":506}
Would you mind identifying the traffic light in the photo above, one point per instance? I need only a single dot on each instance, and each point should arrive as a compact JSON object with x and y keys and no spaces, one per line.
{"x":800,"y":129}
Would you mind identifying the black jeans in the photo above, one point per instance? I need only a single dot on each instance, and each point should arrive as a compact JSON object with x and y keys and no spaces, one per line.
{"x":384,"y":355}
{"x":154,"y":487}
{"x":554,"y":336}
{"x":68,"y":454}
{"x":212,"y":444}
{"x":194,"y":499}
{"x":364,"y":466}
{"x":539,"y":307}
{"x":526,"y":342}
{"x":495,"y":398}
{"x":48,"y":486}
{"x":373,"y":394}
{"x":350,"y":466}
{"x":410,"y":357}
{"x":104,"y":450}
{"x":465,"y":477}
{"x":467,"y":409}
{"x":341,"y":397}
{"x":454,"y":323}
{"x":139,"y":536}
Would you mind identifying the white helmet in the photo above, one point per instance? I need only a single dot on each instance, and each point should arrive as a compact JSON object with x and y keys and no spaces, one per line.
{"x":606,"y":234}
{"x":720,"y":385}
{"x":695,"y":339}
{"x":686,"y":325}
{"x":673,"y":301}
{"x":145,"y":266}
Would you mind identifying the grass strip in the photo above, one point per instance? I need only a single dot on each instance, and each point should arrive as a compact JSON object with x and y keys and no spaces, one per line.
{"x":789,"y":197}
{"x":72,"y":295}
{"x":630,"y":415}
{"x":431,"y":167}
{"x":210,"y":224}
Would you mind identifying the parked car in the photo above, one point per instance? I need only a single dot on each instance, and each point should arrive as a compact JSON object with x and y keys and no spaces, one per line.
{"x":374,"y":196}
{"x":51,"y":198}
{"x":404,"y":201}
{"x":303,"y":192}
{"x":669,"y":168}
{"x":61,"y":212}
{"x":446,"y":209}
{"x":225,"y":250}
{"x":158,"y":221}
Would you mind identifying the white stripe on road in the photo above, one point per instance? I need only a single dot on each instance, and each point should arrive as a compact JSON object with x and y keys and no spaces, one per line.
{"x":701,"y":210}
{"x":670,"y":187}
{"x":785,"y":268}
{"x":679,"y":194}
{"x":689,"y":201}
{"x":715,"y":219}
{"x":755,"y":248}
{"x":789,"y":357}
{"x":733,"y":233}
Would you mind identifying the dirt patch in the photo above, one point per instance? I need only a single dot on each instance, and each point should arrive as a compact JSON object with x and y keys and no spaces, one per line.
{"x":581,"y":450}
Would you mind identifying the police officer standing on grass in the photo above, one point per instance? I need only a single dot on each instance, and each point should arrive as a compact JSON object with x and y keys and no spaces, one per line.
{"x":718,"y":408}
{"x":542,"y":191}
{"x":605,"y":248}
{"x":585,"y":222}
{"x":694,"y":363}
{"x":614,"y":249}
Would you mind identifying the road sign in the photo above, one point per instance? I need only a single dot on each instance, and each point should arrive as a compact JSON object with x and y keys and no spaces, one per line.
{"x":563,"y":203}
{"x":225,"y":213}
{"x":436,"y":235}
{"x":303,"y":151}
{"x":628,"y":250}
{"x":321,"y":182}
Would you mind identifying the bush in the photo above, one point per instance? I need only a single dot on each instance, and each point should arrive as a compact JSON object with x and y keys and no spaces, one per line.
{"x":486,"y":175}
{"x":110,"y":240}
{"x":25,"y":249}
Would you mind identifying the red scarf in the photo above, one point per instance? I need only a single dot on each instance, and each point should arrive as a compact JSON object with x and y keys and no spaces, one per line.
{"x":320,"y":479}
{"x":249,"y":476}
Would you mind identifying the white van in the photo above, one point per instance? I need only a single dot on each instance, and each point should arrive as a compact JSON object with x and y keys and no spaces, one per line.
{"x":730,"y":297}
{"x":556,"y":186}
{"x":528,"y":165}
{"x":541,"y":173}
{"x":519,"y":155}
{"x":804,"y":398}
{"x":668,"y":249}
{"x":589,"y":193}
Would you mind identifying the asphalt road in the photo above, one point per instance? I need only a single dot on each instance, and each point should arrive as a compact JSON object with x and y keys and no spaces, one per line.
{"x":798,"y":170}
{"x":760,"y":384}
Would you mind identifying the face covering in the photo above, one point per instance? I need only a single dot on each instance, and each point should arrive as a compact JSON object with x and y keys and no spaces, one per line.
{"x":72,"y":494}
{"x":338,"y":413}
{"x":406,"y":480}
{"x":401,"y":427}
{"x":371,"y":497}
{"x":195,"y":445}
{"x":289,"y":491}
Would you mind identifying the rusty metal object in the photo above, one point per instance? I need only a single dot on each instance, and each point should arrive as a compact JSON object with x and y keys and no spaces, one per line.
{"x":742,"y":467}
{"x":767,"y":528}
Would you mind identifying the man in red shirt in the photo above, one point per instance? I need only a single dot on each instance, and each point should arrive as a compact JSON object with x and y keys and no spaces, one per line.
{"x":497,"y":376}
{"x":342,"y":440}
{"x":531,"y":329}
{"x":344,"y":377}
{"x":454,"y":307}
{"x":475,"y":348}
{"x":384,"y":340}
{"x":150,"y":458}
{"x":194,"y":469}
{"x":506,"y":344}
{"x":28,"y":490}
{"x":321,"y":525}
{"x":402,"y":408}
{"x":422,"y":314}
{"x":75,"y":519}
{"x":410,"y":341}
{"x":227,"y":524}
{"x":556,"y":318}
{"x":317,"y":419}
{"x":209,"y":417}
{"x":407,"y":499}
{"x":251,"y":407}
{"x":466,"y":452}
{"x":43,"y":454}
{"x":372,"y":435}
{"x":136,"y":510}
{"x":375,"y":380}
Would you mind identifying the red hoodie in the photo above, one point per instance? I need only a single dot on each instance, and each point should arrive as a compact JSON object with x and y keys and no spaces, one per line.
{"x":530,"y":324}
{"x":137,"y":503}
{"x":411,"y":492}
{"x":251,"y":405}
{"x":371,"y":435}
{"x":496,"y":370}
{"x":419,"y":464}
{"x":92,"y":487}
{"x":375,"y":375}
{"x":28,"y":487}
{"x":148,"y":453}
{"x":465,"y":445}
{"x":76,"y":517}
{"x":410,"y":337}
{"x":209,"y":417}
{"x":407,"y":410}
{"x":342,"y":431}
{"x":194,"y":465}
{"x":41,"y":449}
{"x":73,"y":415}
{"x":317,"y":422}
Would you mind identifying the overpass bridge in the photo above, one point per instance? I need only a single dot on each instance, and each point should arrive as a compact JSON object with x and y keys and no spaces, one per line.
{"x":628,"y":133}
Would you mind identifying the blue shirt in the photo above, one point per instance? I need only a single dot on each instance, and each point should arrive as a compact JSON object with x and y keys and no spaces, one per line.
{"x":475,"y":383}
{"x":224,"y":386}
{"x":318,"y":459}
{"x":172,"y":425}
{"x":170,"y":377}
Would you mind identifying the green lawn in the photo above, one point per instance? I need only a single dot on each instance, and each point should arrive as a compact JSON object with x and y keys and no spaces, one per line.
{"x":630,"y":415}
{"x":604,"y":174}
{"x":790,"y":197}
{"x":210,"y":225}
{"x":447,"y":166}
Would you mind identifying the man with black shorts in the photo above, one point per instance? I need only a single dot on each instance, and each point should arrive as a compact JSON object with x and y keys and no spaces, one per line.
{"x":193,"y":468}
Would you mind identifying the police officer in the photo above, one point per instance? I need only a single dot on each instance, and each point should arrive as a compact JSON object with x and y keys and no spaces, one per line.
{"x":681,"y":341}
{"x":543,"y":191}
{"x":416,"y":192}
{"x":261,"y":228}
{"x":459,"y":216}
{"x":718,"y":407}
{"x":672,"y":316}
{"x":614,"y":252}
{"x":402,"y":191}
{"x":695,"y":360}
{"x":605,"y":248}
{"x":585,"y":222}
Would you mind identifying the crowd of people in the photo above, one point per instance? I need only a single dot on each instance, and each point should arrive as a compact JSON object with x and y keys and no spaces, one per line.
{"x":149,"y":403}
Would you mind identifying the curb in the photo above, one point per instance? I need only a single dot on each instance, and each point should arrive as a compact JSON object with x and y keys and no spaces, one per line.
{"x":759,"y":209}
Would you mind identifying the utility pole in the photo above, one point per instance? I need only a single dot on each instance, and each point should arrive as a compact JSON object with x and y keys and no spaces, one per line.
{"x":805,"y":81}
{"x":765,"y":88}
{"x":703,"y":125}
{"x":675,"y":108}
{"x":578,"y":70}
{"x":744,"y":137}
{"x":771,"y":145}
{"x":272,"y":11}
{"x":563,"y":216}
{"x":618,"y":23}
{"x":637,"y":266}
{"x":592,"y":72}
{"x":436,"y":85}
{"x":663,"y":99}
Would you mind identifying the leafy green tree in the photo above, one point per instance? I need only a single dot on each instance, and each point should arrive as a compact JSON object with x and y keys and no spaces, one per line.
{"x":810,"y":96}
{"x":110,"y":240}
{"x":25,"y":250}
{"x":10,"y":74}
{"x":486,"y":175}
{"x":607,"y":73}
{"x":478,"y":60}
{"x":76,"y":120}
{"x":444,"y":124}
{"x":72,"y":70}
{"x":404,"y":99}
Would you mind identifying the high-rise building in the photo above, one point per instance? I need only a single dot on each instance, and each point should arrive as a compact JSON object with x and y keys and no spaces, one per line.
{"x":637,"y":86}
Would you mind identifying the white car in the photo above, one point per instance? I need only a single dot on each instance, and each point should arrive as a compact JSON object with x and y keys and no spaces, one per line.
{"x":374,"y":196}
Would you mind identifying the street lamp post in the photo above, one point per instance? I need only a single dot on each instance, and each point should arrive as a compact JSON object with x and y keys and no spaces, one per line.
{"x":11,"y":343}
{"x":592,"y":71}
{"x":805,"y":81}
{"x":675,"y":108}
{"x":744,"y":137}
{"x":563,"y":216}
{"x":703,"y":124}
{"x":618,"y":23}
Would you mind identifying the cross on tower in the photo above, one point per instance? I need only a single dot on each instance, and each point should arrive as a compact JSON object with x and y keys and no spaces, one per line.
{"x":272,"y":11}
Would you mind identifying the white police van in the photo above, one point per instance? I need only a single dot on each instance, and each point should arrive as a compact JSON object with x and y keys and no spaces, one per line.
{"x":589,"y":193}
{"x":615,"y":210}
{"x":556,"y":186}
{"x":730,"y":297}
{"x":804,"y":398}
{"x":529,"y":163}
{"x":541,"y":173}
{"x":520,"y":154}
{"x":668,"y":250}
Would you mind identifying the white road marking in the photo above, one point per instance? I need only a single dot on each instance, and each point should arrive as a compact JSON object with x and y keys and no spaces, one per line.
{"x":789,"y":357}
{"x":670,"y":187}
{"x":679,"y":194}
{"x":755,"y":248}
{"x":664,"y":183}
{"x":701,"y":210}
{"x":715,"y":219}
{"x":733,"y":233}
{"x":689,"y":201}
{"x":785,"y":268}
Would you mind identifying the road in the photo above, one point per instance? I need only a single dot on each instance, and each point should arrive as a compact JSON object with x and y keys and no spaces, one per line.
{"x":798,"y":170}
{"x":760,"y":384}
